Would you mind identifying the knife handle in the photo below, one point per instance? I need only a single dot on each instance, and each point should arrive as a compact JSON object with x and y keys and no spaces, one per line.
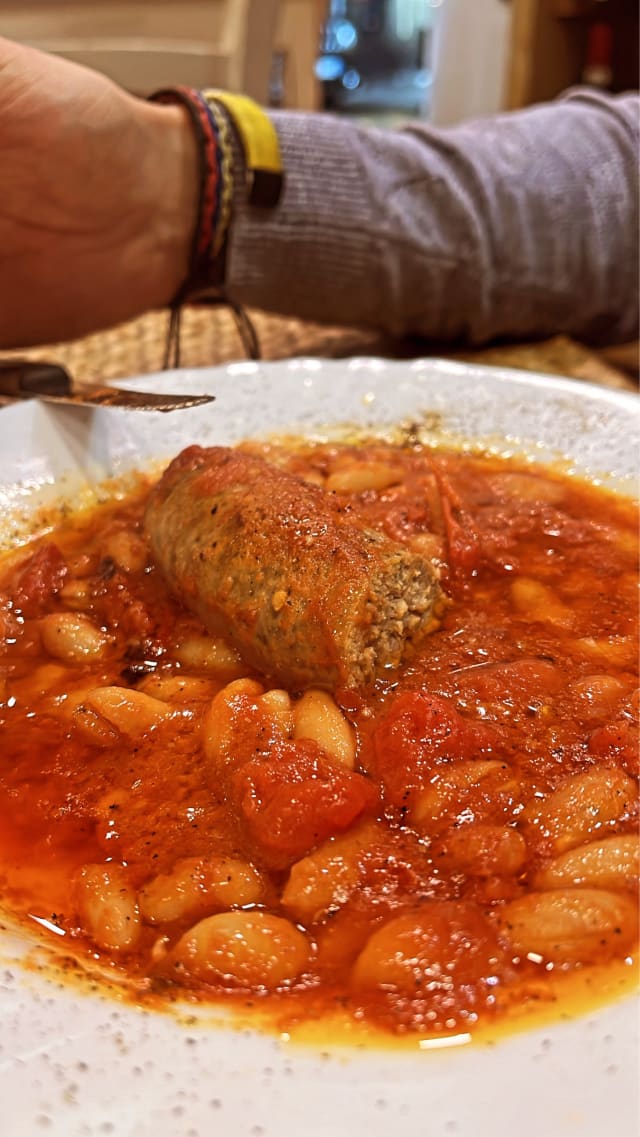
{"x":20,"y":378}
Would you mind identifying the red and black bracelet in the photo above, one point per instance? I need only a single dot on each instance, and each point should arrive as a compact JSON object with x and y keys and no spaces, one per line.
{"x":209,"y":189}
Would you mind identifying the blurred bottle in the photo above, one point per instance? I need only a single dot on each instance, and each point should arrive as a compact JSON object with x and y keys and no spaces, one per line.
{"x":598,"y":64}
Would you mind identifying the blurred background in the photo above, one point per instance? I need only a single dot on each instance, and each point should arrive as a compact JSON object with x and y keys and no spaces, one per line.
{"x":382,"y":60}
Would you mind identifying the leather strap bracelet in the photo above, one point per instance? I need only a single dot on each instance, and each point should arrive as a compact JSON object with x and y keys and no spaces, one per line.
{"x":260,"y":145}
{"x":214,"y":115}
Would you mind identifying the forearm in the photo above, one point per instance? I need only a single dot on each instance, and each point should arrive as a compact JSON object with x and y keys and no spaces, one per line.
{"x":517,"y":226}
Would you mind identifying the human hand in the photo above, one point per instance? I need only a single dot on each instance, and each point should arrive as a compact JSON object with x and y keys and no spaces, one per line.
{"x":98,"y":199}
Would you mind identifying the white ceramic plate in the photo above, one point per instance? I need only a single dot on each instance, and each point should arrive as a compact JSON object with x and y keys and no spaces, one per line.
{"x":84,"y":1065}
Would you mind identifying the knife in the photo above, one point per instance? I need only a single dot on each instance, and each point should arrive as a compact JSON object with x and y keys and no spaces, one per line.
{"x":23,"y":379}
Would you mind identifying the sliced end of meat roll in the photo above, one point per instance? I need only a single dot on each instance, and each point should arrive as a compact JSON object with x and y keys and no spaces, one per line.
{"x":404,"y":603}
{"x":275,"y":565}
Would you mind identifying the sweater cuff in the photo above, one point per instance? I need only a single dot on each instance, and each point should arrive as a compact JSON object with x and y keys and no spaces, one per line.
{"x":306,"y":255}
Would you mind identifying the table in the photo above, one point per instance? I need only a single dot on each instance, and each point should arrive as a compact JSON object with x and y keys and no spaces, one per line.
{"x":209,"y":336}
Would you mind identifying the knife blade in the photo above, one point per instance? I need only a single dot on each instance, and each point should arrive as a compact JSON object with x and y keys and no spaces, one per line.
{"x":25,"y":379}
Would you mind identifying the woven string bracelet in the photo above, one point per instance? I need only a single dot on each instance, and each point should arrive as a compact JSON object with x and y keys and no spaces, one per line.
{"x":218,"y":261}
{"x":225,"y":166}
{"x":213,"y":115}
{"x":205,"y":279}
{"x":209,"y":181}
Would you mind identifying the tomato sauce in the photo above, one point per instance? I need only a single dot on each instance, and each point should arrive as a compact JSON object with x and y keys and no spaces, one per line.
{"x":159,"y":806}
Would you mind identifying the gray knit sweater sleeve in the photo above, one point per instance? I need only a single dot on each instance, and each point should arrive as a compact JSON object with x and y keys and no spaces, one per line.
{"x":514,"y":226}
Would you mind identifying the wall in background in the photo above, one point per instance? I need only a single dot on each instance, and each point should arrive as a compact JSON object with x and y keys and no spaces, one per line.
{"x":470,"y":56}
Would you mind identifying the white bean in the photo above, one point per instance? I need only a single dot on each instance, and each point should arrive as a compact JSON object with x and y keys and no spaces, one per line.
{"x":41,"y":680}
{"x":482,"y":850}
{"x":73,"y":638}
{"x":617,"y":651}
{"x":583,"y":804}
{"x":428,"y":545}
{"x":576,"y":925}
{"x":79,"y":564}
{"x":198,"y":886}
{"x":131,"y":712}
{"x":74,"y":706}
{"x":314,"y":477}
{"x":538,"y":602}
{"x":107,"y":907}
{"x":10,"y":625}
{"x":597,"y":696}
{"x":328,"y":876}
{"x":452,"y":786}
{"x":613,"y":862}
{"x":211,"y":655}
{"x":530,"y":487}
{"x":277,"y":703}
{"x":220,"y":722}
{"x":316,"y":716}
{"x":241,"y":949}
{"x":128,"y":550}
{"x":76,"y":594}
{"x":177,"y":688}
{"x":419,"y":953}
{"x":360,"y":476}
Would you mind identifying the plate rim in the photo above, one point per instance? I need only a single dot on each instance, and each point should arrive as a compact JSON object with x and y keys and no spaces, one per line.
{"x":440,"y":1072}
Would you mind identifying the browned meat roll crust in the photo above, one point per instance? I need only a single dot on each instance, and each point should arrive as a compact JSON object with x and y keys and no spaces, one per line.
{"x":308,"y":597}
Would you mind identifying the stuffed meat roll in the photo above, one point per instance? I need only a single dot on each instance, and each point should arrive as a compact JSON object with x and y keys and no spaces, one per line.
{"x":281,"y":570}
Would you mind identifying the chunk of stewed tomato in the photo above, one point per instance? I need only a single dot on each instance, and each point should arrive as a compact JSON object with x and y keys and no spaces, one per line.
{"x":618,"y":741}
{"x":418,"y":732}
{"x":39,"y":579}
{"x":296,"y":798}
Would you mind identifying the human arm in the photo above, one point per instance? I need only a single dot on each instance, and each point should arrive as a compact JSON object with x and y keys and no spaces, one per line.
{"x":514,"y":226}
{"x":519,"y":225}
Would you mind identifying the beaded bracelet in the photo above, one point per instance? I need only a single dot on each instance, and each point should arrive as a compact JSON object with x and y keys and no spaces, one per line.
{"x":213,"y":114}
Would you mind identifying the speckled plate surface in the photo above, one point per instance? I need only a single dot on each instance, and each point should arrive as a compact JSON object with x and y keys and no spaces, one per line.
{"x":78,"y":1063}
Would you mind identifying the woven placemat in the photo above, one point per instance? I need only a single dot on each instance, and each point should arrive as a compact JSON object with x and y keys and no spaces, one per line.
{"x":209,"y":336}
